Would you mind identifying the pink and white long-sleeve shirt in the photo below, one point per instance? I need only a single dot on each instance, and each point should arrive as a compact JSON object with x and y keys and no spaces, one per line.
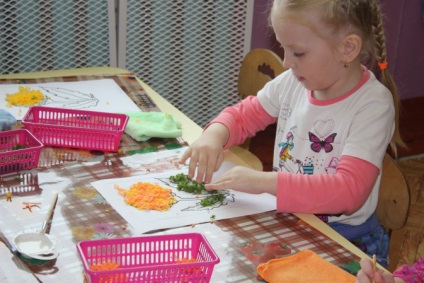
{"x":328,"y":153}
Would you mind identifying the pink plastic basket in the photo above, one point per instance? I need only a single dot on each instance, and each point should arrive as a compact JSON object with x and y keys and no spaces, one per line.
{"x":150,"y":258}
{"x":76,"y":128}
{"x":19,"y":150}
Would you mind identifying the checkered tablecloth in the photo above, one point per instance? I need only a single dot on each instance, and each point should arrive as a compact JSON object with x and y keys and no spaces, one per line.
{"x":256,"y":239}
{"x":82,"y":213}
{"x":129,"y":84}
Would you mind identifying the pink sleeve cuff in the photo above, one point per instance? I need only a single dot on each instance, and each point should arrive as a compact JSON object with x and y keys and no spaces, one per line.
{"x":243,"y":120}
{"x":342,"y":192}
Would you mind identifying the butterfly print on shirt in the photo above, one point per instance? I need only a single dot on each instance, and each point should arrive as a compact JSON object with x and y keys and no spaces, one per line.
{"x":318,"y":144}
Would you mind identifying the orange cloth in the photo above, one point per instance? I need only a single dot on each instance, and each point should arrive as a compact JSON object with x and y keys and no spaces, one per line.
{"x":303,"y":267}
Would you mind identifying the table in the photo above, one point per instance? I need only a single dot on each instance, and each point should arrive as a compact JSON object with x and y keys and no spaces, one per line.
{"x":83,"y":214}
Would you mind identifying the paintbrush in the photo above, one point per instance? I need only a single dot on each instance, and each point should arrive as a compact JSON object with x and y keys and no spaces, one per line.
{"x":374,"y":266}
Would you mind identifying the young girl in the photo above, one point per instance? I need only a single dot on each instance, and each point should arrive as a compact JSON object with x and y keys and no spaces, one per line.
{"x":404,"y":274}
{"x":336,"y":117}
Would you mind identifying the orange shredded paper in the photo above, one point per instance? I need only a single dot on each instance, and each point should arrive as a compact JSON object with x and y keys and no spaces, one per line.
{"x":189,"y":270}
{"x":105,"y":266}
{"x":185,"y":260}
{"x":147,"y":196}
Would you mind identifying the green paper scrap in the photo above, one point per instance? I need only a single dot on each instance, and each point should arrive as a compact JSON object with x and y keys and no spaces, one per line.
{"x":142,"y":150}
{"x":150,"y":149}
{"x":142,"y":126}
{"x":352,"y":267}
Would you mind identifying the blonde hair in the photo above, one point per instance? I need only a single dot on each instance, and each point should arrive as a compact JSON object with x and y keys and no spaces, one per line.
{"x":362,"y":17}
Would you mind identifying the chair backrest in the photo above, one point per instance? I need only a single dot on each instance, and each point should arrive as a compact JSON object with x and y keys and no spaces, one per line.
{"x":394,"y":197}
{"x":259,"y":66}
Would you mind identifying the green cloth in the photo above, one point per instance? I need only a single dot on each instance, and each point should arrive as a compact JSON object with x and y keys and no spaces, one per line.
{"x":142,"y":126}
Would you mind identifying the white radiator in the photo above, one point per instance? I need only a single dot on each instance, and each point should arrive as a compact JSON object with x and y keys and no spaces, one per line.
{"x":189,"y":51}
{"x":37,"y":35}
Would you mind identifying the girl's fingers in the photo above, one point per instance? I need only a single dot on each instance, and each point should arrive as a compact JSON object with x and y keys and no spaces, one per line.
{"x":361,"y":277}
{"x":219,"y":161}
{"x":185,"y":156}
{"x":213,"y":166}
{"x":202,"y":165}
{"x":217,"y":186}
{"x":386,"y":278}
{"x":192,"y":165}
{"x":209,"y":170}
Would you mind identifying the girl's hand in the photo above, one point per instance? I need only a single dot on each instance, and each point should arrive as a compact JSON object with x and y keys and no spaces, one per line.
{"x":206,"y":153}
{"x":246,"y":180}
{"x":206,"y":157}
{"x":367,"y":274}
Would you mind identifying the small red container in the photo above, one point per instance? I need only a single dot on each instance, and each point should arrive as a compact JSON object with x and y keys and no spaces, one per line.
{"x":19,"y":150}
{"x":150,"y":258}
{"x":76,"y":128}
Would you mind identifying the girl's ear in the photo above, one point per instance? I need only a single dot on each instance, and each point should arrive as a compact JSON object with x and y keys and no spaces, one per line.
{"x":352,"y":44}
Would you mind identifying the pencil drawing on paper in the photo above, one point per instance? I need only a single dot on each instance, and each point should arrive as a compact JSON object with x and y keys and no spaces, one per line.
{"x":62,"y":97}
{"x":93,"y":95}
{"x":190,"y":204}
{"x":229,"y":197}
{"x":194,"y":201}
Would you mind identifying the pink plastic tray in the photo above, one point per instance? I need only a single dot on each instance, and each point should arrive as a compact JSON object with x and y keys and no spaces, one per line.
{"x":150,"y":258}
{"x":76,"y":128}
{"x":19,"y":150}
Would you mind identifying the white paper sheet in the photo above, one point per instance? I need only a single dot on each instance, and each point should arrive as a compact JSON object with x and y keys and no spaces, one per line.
{"x":187,"y":211}
{"x":12,"y":269}
{"x":96,"y":95}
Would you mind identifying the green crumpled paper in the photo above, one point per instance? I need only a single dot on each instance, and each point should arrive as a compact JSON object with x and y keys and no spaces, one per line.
{"x":142,"y":126}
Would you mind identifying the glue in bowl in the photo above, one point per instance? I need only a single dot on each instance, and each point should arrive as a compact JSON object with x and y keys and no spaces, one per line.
{"x":33,"y":244}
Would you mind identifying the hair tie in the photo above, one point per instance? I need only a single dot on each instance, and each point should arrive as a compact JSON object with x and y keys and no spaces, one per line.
{"x":382,"y":65}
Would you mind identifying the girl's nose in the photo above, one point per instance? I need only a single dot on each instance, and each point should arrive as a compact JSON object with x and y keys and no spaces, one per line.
{"x":287,"y":63}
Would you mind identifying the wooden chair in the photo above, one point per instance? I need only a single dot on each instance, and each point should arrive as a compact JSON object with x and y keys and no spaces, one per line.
{"x":394,"y":197}
{"x":259,"y":66}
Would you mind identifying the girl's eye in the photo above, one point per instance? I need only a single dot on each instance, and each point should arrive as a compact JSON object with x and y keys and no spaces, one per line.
{"x":298,"y":54}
